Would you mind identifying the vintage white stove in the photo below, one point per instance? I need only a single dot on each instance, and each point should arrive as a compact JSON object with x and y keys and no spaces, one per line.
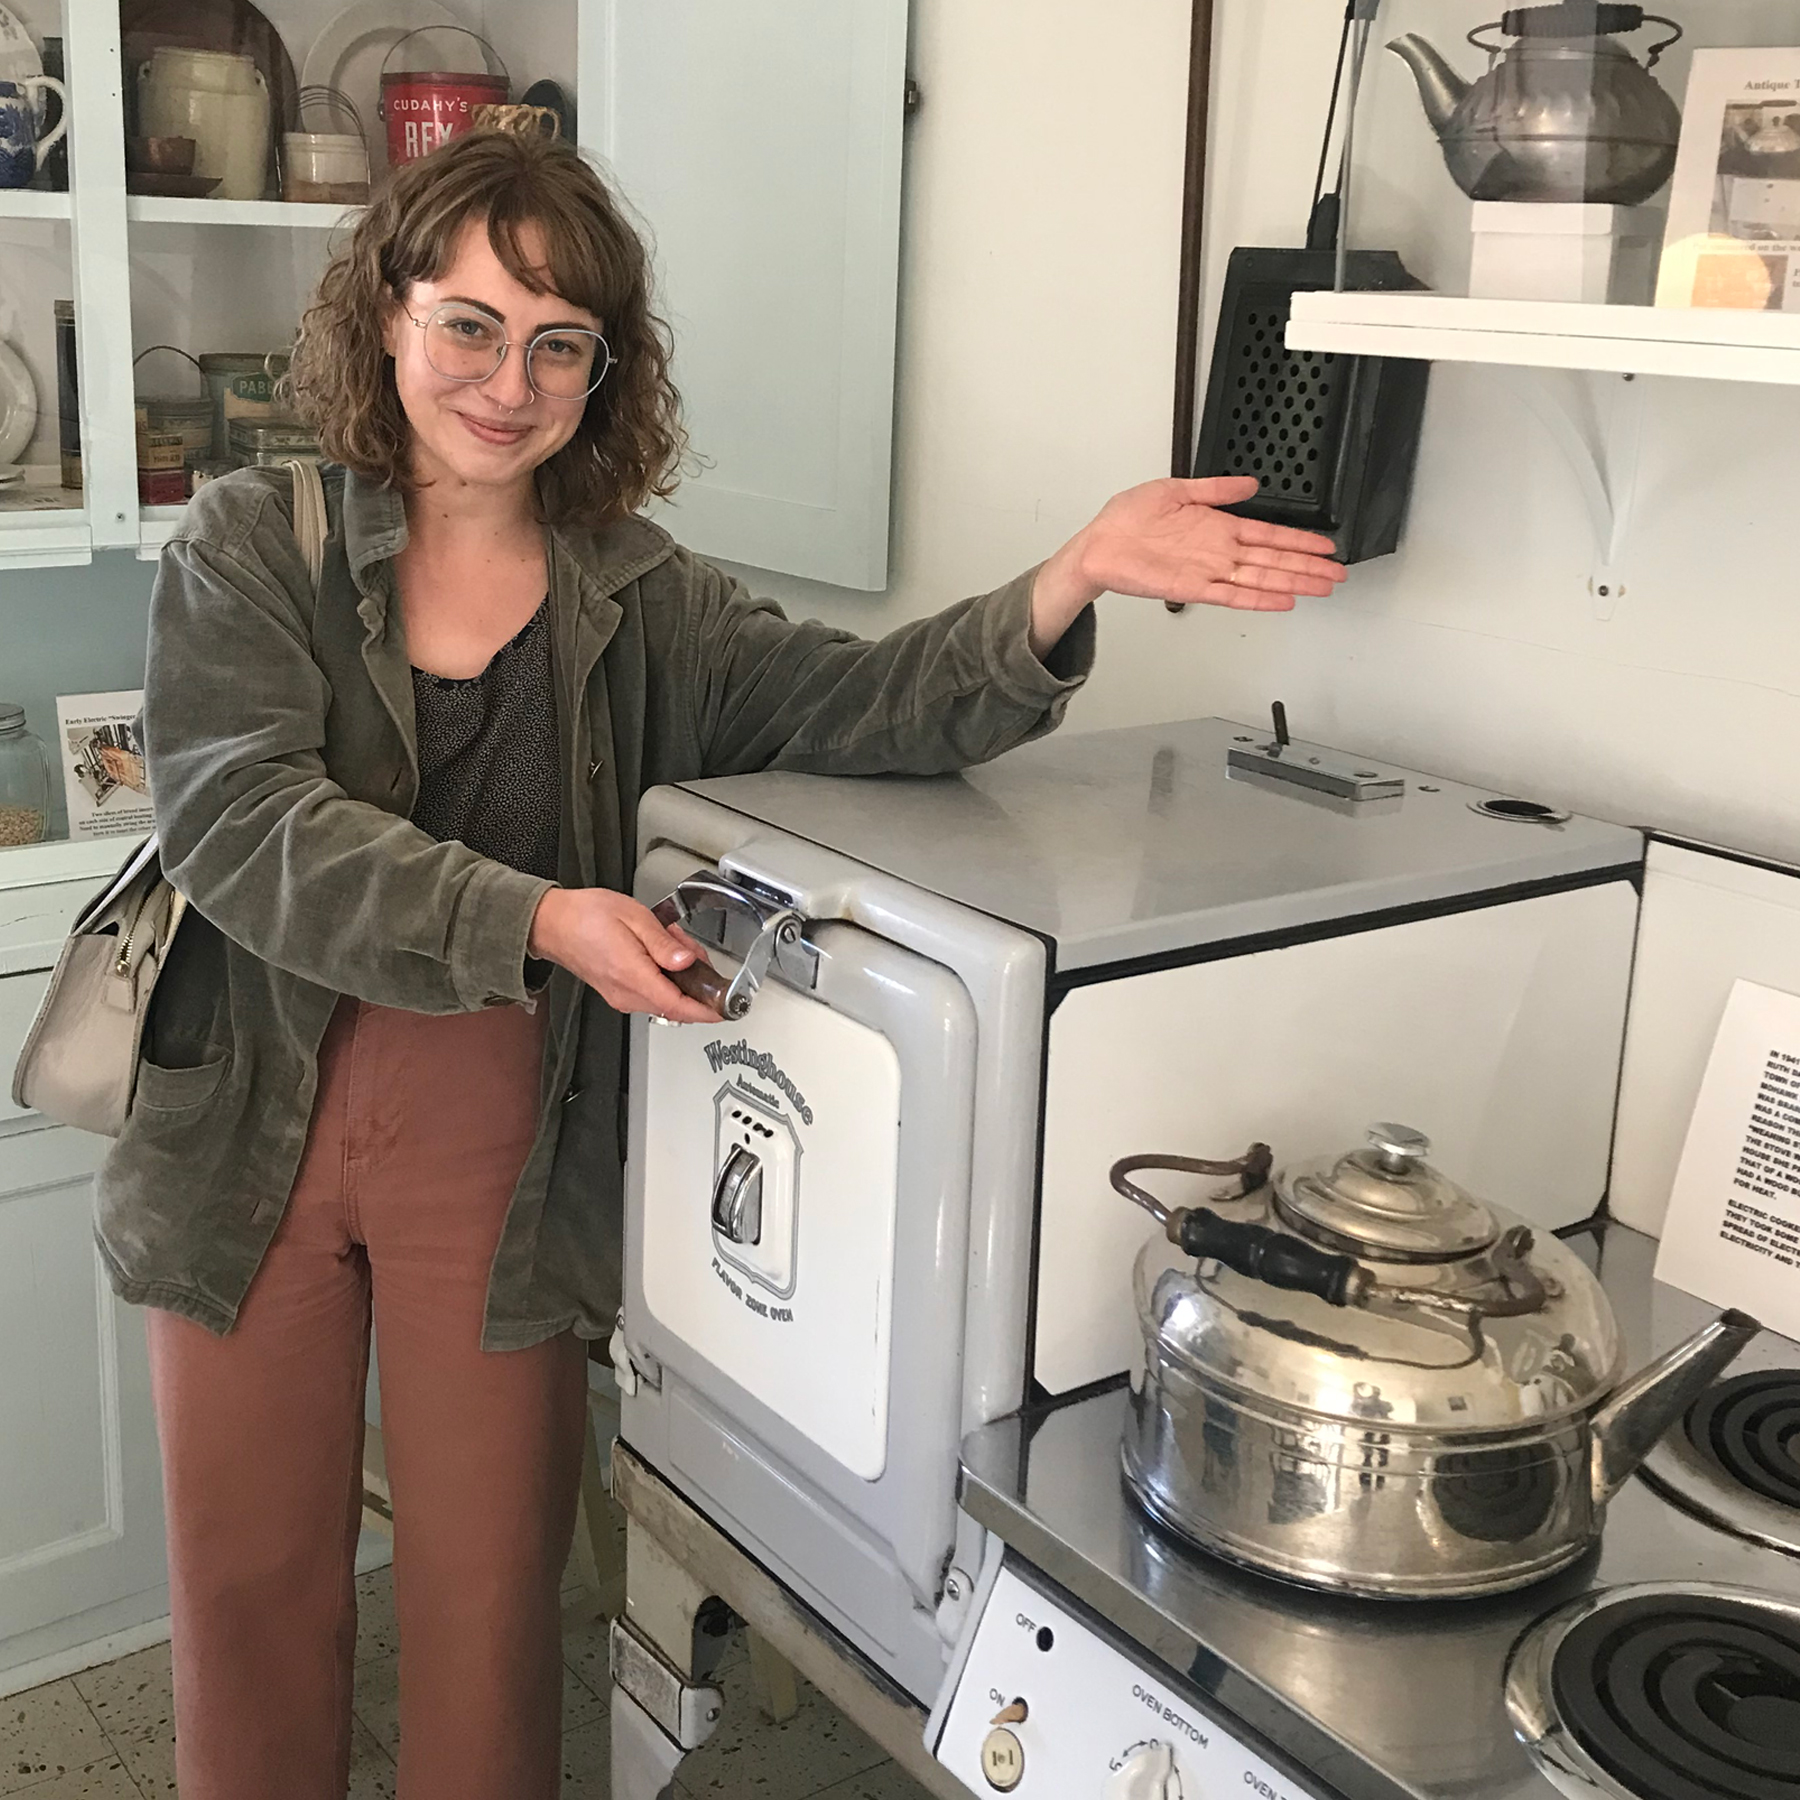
{"x":871,"y":1214}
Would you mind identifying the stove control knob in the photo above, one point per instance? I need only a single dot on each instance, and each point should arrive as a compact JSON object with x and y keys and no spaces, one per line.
{"x":1148,"y":1773}
{"x":1002,"y":1760}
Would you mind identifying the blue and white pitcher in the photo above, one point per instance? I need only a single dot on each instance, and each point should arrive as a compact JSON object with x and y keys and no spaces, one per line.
{"x":20,"y":145}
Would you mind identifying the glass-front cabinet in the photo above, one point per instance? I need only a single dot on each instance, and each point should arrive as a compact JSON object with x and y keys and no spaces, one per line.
{"x":153,"y":269}
{"x":41,"y":506}
{"x":1579,"y":185}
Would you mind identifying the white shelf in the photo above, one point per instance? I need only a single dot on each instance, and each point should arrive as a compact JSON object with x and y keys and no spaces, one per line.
{"x":62,"y":859}
{"x":1552,"y":334}
{"x":52,"y":537}
{"x":24,"y":203}
{"x":147,"y":209}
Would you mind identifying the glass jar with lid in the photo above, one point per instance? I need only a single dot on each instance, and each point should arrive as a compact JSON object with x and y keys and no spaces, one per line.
{"x":24,"y":780}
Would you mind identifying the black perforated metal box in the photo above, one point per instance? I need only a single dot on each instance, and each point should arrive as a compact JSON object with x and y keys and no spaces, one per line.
{"x":1332,"y":439}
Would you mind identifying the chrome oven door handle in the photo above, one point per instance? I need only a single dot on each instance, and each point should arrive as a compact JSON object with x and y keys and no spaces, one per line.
{"x":737,"y":1198}
{"x":780,"y":934}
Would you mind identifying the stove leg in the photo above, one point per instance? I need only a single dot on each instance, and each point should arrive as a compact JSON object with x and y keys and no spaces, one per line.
{"x":644,"y":1756}
{"x":773,"y":1677}
{"x":663,"y":1601}
{"x":661,"y":1655}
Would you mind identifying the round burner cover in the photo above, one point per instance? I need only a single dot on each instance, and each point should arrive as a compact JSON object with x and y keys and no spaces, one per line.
{"x":1682,"y":1696}
{"x":1749,"y":1426}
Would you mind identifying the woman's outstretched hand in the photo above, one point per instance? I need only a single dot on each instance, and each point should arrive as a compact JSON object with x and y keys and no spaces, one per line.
{"x":620,"y":949}
{"x":1168,"y":540}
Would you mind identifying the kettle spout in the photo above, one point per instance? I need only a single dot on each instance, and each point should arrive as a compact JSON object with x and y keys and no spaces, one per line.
{"x":1440,"y":87}
{"x":1626,"y":1428}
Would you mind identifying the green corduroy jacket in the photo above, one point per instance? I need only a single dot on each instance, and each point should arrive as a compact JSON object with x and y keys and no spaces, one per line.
{"x":284,"y":765}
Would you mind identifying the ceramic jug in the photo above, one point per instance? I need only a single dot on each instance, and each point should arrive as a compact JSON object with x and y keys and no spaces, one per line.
{"x":21,"y":148}
{"x":221,"y":101}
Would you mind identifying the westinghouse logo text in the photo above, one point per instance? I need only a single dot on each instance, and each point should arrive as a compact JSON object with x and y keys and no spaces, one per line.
{"x":758,"y":1062}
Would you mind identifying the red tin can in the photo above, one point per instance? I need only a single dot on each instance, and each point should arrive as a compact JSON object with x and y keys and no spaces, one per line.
{"x":429,"y":107}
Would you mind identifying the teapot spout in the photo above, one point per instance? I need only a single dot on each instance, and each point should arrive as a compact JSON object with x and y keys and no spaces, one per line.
{"x":1626,"y":1428}
{"x":1441,"y":89}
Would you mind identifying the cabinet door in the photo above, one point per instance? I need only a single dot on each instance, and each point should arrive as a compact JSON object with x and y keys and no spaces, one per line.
{"x":81,"y":1524}
{"x":761,"y":142}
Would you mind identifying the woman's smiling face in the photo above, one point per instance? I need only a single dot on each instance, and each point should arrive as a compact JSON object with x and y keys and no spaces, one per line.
{"x":492,"y":432}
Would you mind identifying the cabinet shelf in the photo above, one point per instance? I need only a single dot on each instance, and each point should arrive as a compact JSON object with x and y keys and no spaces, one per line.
{"x":27,"y":203}
{"x":43,"y":537}
{"x":148,"y":209}
{"x":62,"y":859}
{"x":1551,"y":334}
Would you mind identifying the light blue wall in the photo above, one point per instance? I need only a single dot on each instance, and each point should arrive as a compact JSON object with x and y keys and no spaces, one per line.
{"x":72,"y":631}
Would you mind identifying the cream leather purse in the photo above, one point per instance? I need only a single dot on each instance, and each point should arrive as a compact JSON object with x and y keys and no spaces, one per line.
{"x":79,"y":1065}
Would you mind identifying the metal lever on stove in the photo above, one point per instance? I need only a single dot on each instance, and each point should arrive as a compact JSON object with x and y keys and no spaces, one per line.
{"x":779,"y":934}
{"x":737,"y":1198}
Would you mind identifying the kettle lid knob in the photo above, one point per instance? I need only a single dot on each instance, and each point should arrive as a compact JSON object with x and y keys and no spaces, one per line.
{"x":1399,"y":1148}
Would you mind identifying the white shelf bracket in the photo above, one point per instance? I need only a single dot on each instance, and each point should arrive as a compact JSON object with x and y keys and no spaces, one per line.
{"x":1603,"y":445}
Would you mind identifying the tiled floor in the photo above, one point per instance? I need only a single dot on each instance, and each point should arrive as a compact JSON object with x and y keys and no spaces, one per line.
{"x":109,"y":1734}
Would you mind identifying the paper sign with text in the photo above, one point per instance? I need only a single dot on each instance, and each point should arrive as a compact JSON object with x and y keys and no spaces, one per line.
{"x":1732,"y":1236}
{"x":103,"y":764}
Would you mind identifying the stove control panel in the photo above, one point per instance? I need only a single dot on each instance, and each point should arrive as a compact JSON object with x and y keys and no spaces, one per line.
{"x":1047,"y":1708}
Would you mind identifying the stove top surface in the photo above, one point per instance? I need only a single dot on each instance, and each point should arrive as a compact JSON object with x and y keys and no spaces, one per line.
{"x":1400,"y":1700}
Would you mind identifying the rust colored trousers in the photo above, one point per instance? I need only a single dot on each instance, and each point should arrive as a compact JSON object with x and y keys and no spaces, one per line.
{"x":419,"y":1131}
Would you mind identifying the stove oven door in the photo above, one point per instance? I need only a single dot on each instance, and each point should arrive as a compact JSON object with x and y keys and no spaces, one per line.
{"x":796,"y":1246}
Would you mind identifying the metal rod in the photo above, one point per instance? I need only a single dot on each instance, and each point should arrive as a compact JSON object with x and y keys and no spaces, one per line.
{"x":1366,"y":11}
{"x":1193,"y":223}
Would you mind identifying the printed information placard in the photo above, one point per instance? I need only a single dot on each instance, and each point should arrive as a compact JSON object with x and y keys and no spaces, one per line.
{"x":1732,"y":1236}
{"x":103,"y":764}
{"x":1733,"y":238}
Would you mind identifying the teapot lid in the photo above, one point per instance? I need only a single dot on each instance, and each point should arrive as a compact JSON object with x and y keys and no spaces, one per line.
{"x":1386,"y":1202}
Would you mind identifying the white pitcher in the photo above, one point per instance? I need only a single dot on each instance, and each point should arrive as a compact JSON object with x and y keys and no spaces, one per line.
{"x":218,"y":99}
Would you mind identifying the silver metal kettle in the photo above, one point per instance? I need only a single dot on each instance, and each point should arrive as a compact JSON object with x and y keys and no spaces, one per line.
{"x":1365,"y":1378}
{"x":1565,"y":113}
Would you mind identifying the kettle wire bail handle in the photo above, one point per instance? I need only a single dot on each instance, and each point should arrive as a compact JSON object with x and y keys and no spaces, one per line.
{"x":1251,"y":1170}
{"x":1653,"y":55}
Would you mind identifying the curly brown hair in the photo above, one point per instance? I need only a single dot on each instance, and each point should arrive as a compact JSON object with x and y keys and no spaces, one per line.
{"x":629,"y":444}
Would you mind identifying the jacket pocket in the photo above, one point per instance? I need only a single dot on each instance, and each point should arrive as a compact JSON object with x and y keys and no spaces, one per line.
{"x":171,"y":1090}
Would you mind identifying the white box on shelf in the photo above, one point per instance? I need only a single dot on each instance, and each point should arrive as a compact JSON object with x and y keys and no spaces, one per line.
{"x":1535,"y":250}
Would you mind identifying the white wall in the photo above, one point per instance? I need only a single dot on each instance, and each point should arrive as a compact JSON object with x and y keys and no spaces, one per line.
{"x":1037,"y":335}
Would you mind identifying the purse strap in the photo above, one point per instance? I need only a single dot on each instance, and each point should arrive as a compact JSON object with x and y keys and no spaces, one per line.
{"x":311,"y":525}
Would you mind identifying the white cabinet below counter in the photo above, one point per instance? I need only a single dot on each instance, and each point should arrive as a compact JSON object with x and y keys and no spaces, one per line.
{"x":82,"y":1566}
{"x":82,"y":1563}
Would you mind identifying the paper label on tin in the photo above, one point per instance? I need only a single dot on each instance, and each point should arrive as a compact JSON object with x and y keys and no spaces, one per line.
{"x":1732,"y":1235}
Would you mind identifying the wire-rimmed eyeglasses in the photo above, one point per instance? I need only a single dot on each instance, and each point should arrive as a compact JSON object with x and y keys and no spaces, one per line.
{"x":562,"y":362}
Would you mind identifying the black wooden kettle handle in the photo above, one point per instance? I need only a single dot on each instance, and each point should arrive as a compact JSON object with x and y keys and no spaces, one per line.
{"x":1270,"y":1256}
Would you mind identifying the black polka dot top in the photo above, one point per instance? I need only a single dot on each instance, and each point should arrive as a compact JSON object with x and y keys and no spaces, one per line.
{"x":488,"y":754}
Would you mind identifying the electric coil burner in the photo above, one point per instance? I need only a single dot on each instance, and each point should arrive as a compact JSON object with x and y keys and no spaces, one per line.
{"x":1736,"y":1462}
{"x":1659,"y":1692}
{"x":1750,"y":1427}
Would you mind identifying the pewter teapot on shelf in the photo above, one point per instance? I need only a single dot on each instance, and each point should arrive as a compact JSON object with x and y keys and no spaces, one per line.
{"x":1565,"y":113}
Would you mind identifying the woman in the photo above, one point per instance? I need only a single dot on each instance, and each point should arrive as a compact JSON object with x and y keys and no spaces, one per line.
{"x":382,"y":1071}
